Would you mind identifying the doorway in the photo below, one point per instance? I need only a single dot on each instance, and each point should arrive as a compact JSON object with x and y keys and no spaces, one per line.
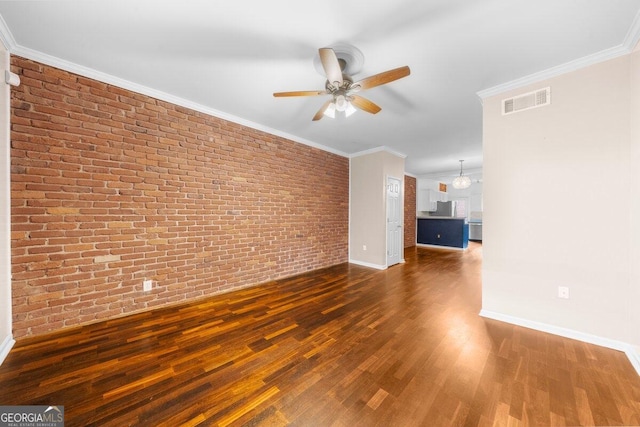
{"x":395,"y":237}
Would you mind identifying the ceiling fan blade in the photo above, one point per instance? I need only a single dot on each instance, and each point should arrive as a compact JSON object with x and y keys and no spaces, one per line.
{"x":364,"y":104}
{"x":382,"y":78}
{"x":331,"y":65}
{"x":321,"y":111}
{"x":301,"y":93}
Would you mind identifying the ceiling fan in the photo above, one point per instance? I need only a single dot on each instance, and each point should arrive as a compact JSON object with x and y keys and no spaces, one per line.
{"x":343,"y":89}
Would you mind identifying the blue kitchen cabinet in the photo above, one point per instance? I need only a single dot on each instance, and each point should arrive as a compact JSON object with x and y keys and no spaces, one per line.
{"x":452,"y":232}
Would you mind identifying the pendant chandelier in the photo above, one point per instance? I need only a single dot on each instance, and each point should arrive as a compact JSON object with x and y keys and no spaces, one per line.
{"x":461,"y":182}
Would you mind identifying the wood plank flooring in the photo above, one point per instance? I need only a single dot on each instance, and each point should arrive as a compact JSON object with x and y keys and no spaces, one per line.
{"x":344,"y":346}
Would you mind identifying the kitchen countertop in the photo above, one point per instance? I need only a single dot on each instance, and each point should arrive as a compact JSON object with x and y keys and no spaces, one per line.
{"x":441,"y":217}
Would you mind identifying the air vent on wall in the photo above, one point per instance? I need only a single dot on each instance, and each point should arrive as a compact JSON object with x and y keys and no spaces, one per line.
{"x":527,"y":101}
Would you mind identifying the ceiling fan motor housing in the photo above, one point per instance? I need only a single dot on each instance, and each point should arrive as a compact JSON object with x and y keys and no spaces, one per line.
{"x":347,"y":81}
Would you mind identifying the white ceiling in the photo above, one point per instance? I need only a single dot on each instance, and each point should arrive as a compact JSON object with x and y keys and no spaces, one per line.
{"x":229,"y":57}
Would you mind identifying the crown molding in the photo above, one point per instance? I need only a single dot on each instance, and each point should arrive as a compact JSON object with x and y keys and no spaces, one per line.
{"x":378,"y":149}
{"x":555,"y":71}
{"x":633,"y":35}
{"x":7,"y":38}
{"x":630,"y":41}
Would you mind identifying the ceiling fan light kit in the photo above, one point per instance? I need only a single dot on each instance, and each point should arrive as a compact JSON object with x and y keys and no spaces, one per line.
{"x":349,"y":110}
{"x":330,"y":111}
{"x":341,"y":102}
{"x":336,"y":66}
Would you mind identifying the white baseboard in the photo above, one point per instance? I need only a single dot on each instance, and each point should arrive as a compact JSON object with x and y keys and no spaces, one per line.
{"x":368,"y":264}
{"x":451,"y":248}
{"x":634,"y":358}
{"x":6,"y":347}
{"x":628,"y":349}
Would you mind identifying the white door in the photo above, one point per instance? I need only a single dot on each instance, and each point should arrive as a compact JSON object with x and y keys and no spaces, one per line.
{"x":394,"y":221}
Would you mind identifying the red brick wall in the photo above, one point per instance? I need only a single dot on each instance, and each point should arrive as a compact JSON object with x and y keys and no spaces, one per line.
{"x":110,"y":187}
{"x":409,"y":211}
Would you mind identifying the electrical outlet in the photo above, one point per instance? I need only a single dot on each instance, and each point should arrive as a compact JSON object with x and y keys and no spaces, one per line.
{"x":364,"y":247}
{"x":147,"y":285}
{"x":563,"y":292}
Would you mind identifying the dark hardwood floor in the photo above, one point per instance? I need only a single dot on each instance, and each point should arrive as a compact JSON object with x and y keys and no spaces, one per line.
{"x":344,"y":346}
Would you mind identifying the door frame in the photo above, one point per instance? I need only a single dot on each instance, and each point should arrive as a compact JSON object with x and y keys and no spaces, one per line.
{"x":6,"y":336}
{"x":400,"y":215}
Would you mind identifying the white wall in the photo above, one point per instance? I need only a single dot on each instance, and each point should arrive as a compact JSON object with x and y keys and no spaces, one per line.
{"x":634,"y":190}
{"x":367,"y":206}
{"x":561,"y":202}
{"x":6,"y":337}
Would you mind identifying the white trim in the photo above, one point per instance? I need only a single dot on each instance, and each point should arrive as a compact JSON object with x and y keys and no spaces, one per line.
{"x":628,"y":349}
{"x":630,"y":41}
{"x":5,"y":36}
{"x":386,"y":209}
{"x":450,"y":248}
{"x":633,"y":35}
{"x":634,"y":358}
{"x":349,"y":219}
{"x":377,"y":150}
{"x":5,"y":214}
{"x":163,"y":96}
{"x":549,"y":73}
{"x":367,"y":264}
{"x":6,"y":347}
